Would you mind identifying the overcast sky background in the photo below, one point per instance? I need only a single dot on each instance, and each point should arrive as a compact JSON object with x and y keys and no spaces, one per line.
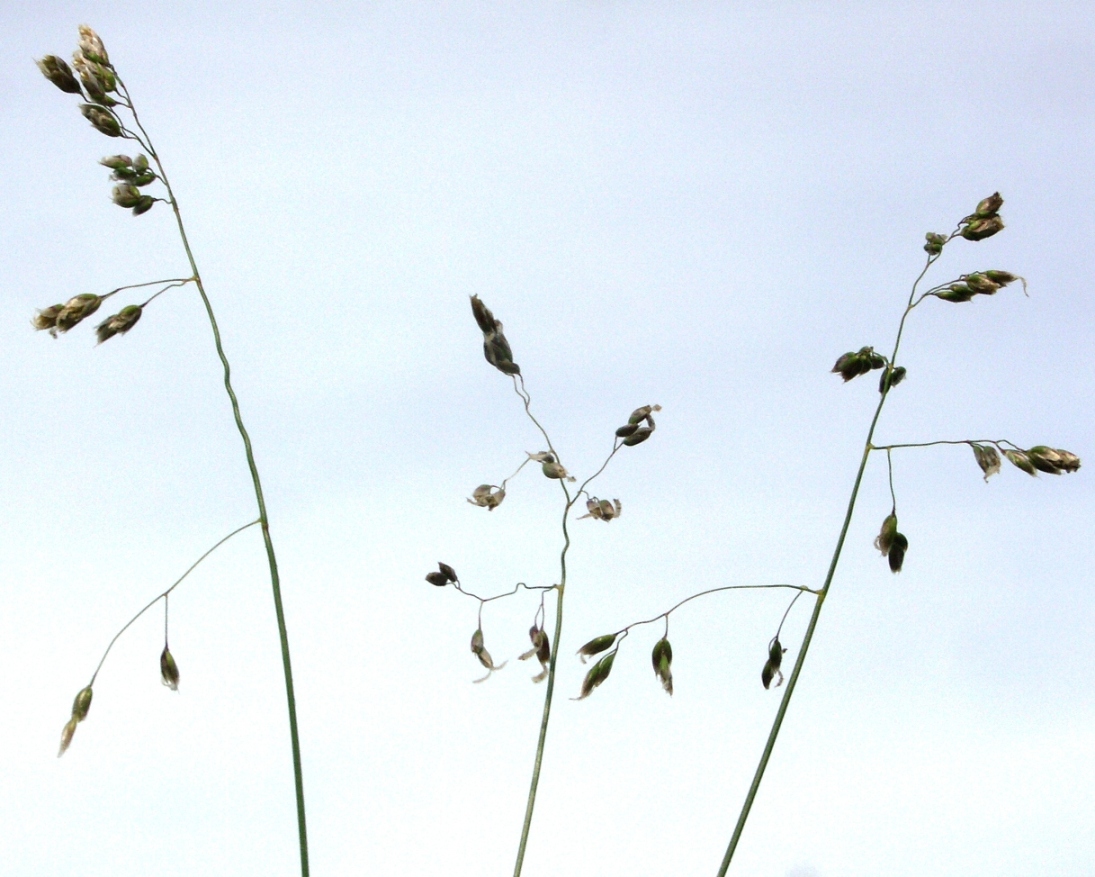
{"x":697,"y":205}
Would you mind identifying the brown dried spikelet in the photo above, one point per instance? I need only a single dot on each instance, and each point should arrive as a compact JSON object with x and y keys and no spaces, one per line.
{"x":771,"y":666}
{"x":541,"y":648}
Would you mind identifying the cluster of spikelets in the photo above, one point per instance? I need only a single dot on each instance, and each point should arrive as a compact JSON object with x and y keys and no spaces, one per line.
{"x":95,"y":80}
{"x":983,"y":223}
{"x":59,"y":318}
{"x":661,"y":658}
{"x":638,"y":429}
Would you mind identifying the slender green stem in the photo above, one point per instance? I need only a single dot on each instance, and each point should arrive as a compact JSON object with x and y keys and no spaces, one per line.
{"x":819,"y":601}
{"x":275,"y":581}
{"x":534,"y":784}
{"x":556,"y":638}
{"x":545,"y":717}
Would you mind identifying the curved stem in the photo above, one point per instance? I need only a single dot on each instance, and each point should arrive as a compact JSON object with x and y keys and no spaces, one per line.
{"x":819,"y":601}
{"x":546,"y":715}
{"x":275,"y":581}
{"x":534,"y":784}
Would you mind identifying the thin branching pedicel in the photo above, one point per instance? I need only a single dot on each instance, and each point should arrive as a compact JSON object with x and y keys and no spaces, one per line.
{"x":639,"y":428}
{"x":169,"y":670}
{"x":110,"y":110}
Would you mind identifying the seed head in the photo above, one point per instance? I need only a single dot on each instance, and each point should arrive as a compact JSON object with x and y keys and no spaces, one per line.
{"x":80,"y":707}
{"x":118,"y":324}
{"x":1068,"y":462}
{"x":143,"y":205}
{"x":885,"y":536}
{"x":483,"y":316}
{"x":852,"y":365}
{"x":935,"y":242}
{"x":597,"y":674}
{"x":1001,"y":278}
{"x":638,"y":436}
{"x":979,"y":229}
{"x":126,"y":195}
{"x":96,"y":79}
{"x":116,"y":162}
{"x":82,"y":704}
{"x":1022,"y":461}
{"x":102,"y":119}
{"x":443,"y":576}
{"x":91,"y":46}
{"x":169,"y":670}
{"x":988,"y":206}
{"x":551,"y":469}
{"x":602,"y":509}
{"x":483,"y":655}
{"x":596,"y":645}
{"x":896,"y":554}
{"x":956,"y":292}
{"x":76,"y":309}
{"x":67,"y":733}
{"x":1053,"y":460}
{"x":987,"y":459}
{"x":487,"y":496}
{"x":541,"y":648}
{"x":891,"y":377}
{"x":980,"y":283}
{"x":661,"y":658}
{"x":496,"y":348}
{"x":643,"y":413}
{"x":47,"y":319}
{"x":771,"y":666}
{"x":59,"y":73}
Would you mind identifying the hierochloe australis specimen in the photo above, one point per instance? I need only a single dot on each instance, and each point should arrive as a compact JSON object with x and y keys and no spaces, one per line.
{"x":110,"y":110}
{"x":984,"y":222}
{"x":545,"y":648}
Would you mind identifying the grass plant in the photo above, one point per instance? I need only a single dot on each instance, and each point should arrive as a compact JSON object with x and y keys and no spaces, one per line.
{"x":111,"y":111}
{"x":140,"y":182}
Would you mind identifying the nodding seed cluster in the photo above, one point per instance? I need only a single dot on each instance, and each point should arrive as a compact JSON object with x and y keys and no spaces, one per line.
{"x":496,"y":348}
{"x":602,"y":509}
{"x":771,"y":666}
{"x":852,"y":365}
{"x":985,"y":221}
{"x":891,"y":543}
{"x":95,"y":80}
{"x":633,"y":432}
{"x":978,"y":283}
{"x":80,"y":707}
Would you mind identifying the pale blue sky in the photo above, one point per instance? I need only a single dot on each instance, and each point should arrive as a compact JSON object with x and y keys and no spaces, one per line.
{"x":698,"y":205}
